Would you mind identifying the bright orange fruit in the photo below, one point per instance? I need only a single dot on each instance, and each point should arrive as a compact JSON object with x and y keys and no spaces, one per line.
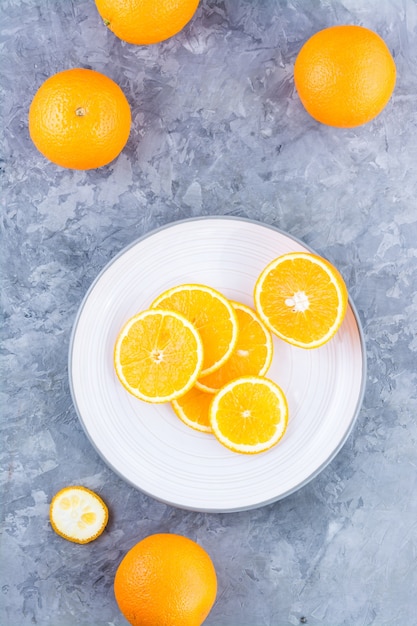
{"x":212,"y":315}
{"x":344,"y":75}
{"x":249,"y":414}
{"x":146,"y":21}
{"x":79,"y":119}
{"x":252,"y":354}
{"x":166,"y":580}
{"x":301,"y":298}
{"x":158,"y":355}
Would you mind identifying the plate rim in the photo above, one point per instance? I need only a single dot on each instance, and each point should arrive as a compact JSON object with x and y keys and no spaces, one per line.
{"x":78,"y":315}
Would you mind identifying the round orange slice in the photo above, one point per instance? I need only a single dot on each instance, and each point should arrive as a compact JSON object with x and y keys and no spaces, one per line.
{"x":158,"y":355}
{"x":212,"y":315}
{"x":78,"y":514}
{"x":252,"y":354}
{"x":193,"y":409}
{"x":249,"y":414}
{"x":301,"y":298}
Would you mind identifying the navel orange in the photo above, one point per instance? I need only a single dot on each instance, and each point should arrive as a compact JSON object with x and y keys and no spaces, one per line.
{"x":79,"y":119}
{"x":146,"y":21}
{"x":166,"y":580}
{"x":301,"y":298}
{"x":344,"y":75}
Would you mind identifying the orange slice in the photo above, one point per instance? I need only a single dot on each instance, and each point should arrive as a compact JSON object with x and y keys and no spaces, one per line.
{"x":158,"y":355}
{"x":301,"y":298}
{"x":211,"y":314}
{"x":78,"y":514}
{"x":193,"y":409}
{"x":252,"y":354}
{"x":249,"y":414}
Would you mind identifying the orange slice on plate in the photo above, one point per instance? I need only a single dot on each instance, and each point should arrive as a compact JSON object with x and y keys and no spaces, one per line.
{"x":211,"y":314}
{"x":301,"y":298}
{"x":78,"y":514}
{"x":249,"y":414}
{"x":252,"y":354}
{"x":158,"y":355}
{"x":193,"y":409}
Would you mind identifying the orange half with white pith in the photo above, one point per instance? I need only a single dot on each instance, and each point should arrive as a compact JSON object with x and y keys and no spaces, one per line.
{"x":78,"y":514}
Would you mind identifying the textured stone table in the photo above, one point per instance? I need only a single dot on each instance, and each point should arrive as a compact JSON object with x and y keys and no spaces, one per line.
{"x":217,"y":130}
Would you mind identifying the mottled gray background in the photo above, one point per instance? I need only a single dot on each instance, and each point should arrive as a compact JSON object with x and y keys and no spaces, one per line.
{"x":217,"y":130}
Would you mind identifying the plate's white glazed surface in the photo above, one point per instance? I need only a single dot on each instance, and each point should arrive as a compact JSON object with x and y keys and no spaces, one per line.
{"x":147,"y":444}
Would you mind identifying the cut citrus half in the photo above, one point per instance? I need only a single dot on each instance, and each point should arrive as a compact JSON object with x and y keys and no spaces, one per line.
{"x":252,"y":354}
{"x":78,"y":514}
{"x":158,"y":355}
{"x":211,"y":314}
{"x":193,"y":409}
{"x":249,"y":414}
{"x":301,"y":298}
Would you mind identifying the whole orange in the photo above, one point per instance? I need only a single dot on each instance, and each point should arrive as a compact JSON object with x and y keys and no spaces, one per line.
{"x":344,"y":75}
{"x":79,"y":119}
{"x":166,"y":580}
{"x":146,"y":21}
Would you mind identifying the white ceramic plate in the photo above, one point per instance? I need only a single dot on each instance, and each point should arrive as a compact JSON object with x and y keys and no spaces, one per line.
{"x":147,"y":444}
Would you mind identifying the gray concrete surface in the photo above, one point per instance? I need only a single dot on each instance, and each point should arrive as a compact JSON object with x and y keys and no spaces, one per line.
{"x":218,"y":129}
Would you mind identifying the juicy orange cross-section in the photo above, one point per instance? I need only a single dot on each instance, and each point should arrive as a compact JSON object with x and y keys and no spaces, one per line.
{"x":78,"y":514}
{"x":301,"y":298}
{"x":249,"y":414}
{"x":193,"y":409}
{"x":212,"y":315}
{"x":158,"y":355}
{"x":252,"y":354}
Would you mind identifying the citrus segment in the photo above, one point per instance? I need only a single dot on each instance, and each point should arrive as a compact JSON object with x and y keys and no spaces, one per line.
{"x":249,"y":414}
{"x":167,"y":580}
{"x":78,"y":514}
{"x":344,"y":75}
{"x":301,"y":298}
{"x":252,"y":354}
{"x":158,"y":355}
{"x":146,"y":21}
{"x":79,"y":119}
{"x":193,"y":409}
{"x":212,"y":315}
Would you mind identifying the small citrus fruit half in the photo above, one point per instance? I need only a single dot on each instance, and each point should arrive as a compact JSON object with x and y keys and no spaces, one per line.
{"x":301,"y":298}
{"x":78,"y":514}
{"x":158,"y":355}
